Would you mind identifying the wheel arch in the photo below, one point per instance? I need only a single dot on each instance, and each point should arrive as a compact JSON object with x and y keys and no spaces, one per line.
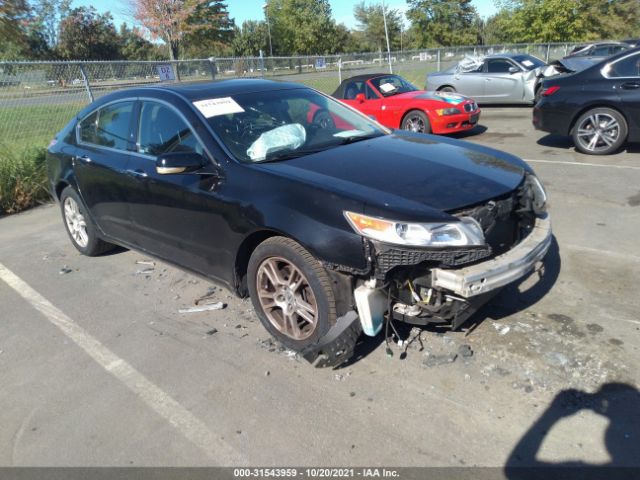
{"x":246,"y":248}
{"x":60,"y":186}
{"x":414,"y":109}
{"x":446,"y":85}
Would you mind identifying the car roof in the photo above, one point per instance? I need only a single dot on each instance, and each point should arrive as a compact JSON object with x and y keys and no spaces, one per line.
{"x":365,"y":76}
{"x":508,"y":55}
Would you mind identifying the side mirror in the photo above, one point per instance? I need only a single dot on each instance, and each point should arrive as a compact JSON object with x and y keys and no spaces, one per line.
{"x":179,"y":162}
{"x":360,"y":97}
{"x":514,"y":69}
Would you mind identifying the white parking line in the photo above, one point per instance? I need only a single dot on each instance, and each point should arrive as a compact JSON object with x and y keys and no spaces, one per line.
{"x":583,"y":164}
{"x":157,"y":399}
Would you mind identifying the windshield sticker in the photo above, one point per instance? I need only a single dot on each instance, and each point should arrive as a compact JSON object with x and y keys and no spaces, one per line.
{"x":387,"y":87}
{"x":218,"y":106}
{"x":527,"y":63}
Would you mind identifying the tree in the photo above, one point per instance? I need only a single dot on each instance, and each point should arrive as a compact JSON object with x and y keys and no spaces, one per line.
{"x":166,"y":19}
{"x":87,"y":35}
{"x":371,"y":24}
{"x":133,"y":46}
{"x":12,"y":12}
{"x":210,"y":30}
{"x":250,"y":39}
{"x":300,"y":26}
{"x":443,"y":22}
{"x":48,"y":14}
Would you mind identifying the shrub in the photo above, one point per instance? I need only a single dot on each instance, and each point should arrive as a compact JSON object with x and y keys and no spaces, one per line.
{"x":23,"y":178}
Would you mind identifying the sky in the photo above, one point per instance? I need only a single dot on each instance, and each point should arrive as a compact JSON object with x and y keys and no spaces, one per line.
{"x":242,"y":10}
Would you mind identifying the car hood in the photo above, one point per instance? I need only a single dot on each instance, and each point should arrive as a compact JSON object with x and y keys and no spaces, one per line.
{"x":411,"y":176}
{"x":445,"y":98}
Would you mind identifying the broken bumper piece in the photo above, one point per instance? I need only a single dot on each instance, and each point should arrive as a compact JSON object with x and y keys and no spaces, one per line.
{"x":337,"y":345}
{"x":501,"y":270}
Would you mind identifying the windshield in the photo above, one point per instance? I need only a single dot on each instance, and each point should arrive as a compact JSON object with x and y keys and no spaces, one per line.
{"x":529,"y":62}
{"x":281,"y":124}
{"x":392,"y":85}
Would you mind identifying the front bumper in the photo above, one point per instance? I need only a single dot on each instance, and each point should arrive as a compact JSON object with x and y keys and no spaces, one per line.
{"x":501,"y":270}
{"x":455,"y":123}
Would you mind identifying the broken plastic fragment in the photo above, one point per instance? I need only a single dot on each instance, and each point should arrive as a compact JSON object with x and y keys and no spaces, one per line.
{"x":203,"y":308}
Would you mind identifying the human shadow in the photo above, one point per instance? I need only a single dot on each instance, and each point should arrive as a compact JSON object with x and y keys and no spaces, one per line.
{"x":618,"y":402}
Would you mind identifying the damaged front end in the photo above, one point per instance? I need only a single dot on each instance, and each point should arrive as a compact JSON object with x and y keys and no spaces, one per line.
{"x":499,"y":241}
{"x":446,"y":285}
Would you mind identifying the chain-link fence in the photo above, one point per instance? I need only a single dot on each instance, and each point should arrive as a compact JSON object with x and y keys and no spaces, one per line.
{"x":38,"y":98}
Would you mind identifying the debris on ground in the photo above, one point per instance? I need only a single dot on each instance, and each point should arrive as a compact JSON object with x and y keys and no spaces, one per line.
{"x":267,"y":373}
{"x":203,"y":308}
{"x":64,"y":270}
{"x":213,"y":331}
{"x":145,"y":271}
{"x":437,"y":360}
{"x":209,"y":293}
{"x":502,"y":329}
{"x":146,"y":262}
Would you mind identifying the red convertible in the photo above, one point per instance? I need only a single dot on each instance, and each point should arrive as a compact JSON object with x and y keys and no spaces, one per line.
{"x":395,"y":103}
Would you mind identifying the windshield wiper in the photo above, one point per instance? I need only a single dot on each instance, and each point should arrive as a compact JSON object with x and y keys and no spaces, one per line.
{"x":279,"y":156}
{"x":357,"y":138}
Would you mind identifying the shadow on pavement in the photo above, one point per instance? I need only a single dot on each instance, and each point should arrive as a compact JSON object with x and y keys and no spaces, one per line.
{"x":618,"y":402}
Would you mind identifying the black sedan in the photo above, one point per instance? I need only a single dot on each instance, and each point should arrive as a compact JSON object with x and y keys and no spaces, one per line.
{"x":332,"y":228}
{"x":599,"y":106}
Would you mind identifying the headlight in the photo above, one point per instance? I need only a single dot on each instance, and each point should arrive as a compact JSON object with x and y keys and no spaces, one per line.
{"x":443,"y":112}
{"x":539,"y":194}
{"x":466,"y":232}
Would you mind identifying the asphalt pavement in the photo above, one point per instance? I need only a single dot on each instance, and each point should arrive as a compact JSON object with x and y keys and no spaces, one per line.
{"x":98,"y":367}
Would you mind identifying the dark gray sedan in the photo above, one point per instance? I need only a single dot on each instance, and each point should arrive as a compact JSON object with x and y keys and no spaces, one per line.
{"x":503,"y":78}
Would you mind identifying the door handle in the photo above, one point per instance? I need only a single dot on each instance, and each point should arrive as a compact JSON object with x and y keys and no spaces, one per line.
{"x":84,"y":159}
{"x":630,"y":85}
{"x":138,"y":173}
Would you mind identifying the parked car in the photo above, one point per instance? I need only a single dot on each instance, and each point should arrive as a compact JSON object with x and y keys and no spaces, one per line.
{"x":396,"y":103}
{"x":599,"y":50}
{"x":314,"y":221}
{"x":504,"y":78}
{"x":599,"y":106}
{"x":632,"y":42}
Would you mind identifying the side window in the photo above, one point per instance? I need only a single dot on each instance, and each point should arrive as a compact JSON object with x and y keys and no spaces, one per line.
{"x":108,"y":126}
{"x":498,"y":66}
{"x":353,"y":89}
{"x":602,"y":51}
{"x":628,"y":67}
{"x":162,"y":130}
{"x":370,"y":93}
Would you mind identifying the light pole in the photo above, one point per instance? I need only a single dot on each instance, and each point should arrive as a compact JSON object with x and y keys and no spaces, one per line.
{"x":386,"y":34}
{"x":266,"y":17}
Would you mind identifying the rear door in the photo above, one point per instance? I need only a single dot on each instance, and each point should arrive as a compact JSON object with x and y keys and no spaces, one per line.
{"x":104,"y":140}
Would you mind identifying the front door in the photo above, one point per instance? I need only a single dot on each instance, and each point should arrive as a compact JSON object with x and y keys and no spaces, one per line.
{"x":175,"y":216}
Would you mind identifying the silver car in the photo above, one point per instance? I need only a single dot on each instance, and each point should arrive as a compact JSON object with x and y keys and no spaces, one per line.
{"x":503,"y":78}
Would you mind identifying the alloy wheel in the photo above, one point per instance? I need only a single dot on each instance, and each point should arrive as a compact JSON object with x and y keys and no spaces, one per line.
{"x":414,"y":123}
{"x":598,"y":132}
{"x":76,"y":223}
{"x":287,"y":298}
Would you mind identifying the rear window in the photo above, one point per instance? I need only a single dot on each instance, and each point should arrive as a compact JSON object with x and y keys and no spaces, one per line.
{"x":108,"y":126}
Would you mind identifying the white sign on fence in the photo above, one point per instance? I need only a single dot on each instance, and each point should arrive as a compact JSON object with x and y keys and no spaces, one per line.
{"x":166,"y":72}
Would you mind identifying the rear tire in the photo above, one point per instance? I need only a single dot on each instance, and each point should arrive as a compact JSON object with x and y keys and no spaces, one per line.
{"x":448,"y":88}
{"x":79,"y":226}
{"x":600,"y":131}
{"x":416,"y":121}
{"x":291,"y":293}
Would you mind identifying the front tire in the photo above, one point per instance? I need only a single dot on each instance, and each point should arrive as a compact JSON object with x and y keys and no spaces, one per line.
{"x":79,"y":226}
{"x":291,"y":292}
{"x":600,"y":131}
{"x":416,"y":121}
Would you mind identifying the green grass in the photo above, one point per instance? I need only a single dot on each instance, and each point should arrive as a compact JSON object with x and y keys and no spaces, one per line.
{"x":34,"y":125}
{"x":23,"y":178}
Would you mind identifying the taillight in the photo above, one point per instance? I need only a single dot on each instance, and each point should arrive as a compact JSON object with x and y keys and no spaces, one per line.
{"x":550,"y":90}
